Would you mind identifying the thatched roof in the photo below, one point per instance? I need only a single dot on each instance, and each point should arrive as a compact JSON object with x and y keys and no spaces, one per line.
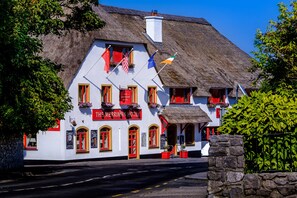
{"x":185,"y":114}
{"x":205,"y":58}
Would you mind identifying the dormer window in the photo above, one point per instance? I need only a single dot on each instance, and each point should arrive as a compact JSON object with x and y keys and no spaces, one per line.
{"x":218,"y":97}
{"x":180,"y":95}
{"x":117,"y":53}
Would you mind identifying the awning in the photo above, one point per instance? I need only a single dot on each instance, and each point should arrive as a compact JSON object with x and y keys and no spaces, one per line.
{"x":189,"y":114}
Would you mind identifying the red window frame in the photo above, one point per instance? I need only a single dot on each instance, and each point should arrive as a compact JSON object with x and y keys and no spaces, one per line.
{"x":218,"y":96}
{"x":27,"y":145}
{"x":106,"y":94}
{"x":82,"y":140}
{"x":152,"y":95}
{"x":180,"y":95}
{"x":153,"y":137}
{"x":105,"y":140}
{"x":56,"y":127}
{"x":83,"y":93}
{"x":134,"y":95}
{"x":209,"y":131}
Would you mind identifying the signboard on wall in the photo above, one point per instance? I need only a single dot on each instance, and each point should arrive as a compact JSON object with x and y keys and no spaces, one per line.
{"x":162,"y":141}
{"x":143,"y":139}
{"x":94,"y":139}
{"x":69,"y":139}
{"x":125,"y":97}
{"x":116,"y":114}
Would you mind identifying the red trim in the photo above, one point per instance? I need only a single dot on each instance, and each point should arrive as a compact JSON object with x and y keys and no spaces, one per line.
{"x":218,"y":112}
{"x":56,"y":128}
{"x":164,"y":124}
{"x":116,"y":114}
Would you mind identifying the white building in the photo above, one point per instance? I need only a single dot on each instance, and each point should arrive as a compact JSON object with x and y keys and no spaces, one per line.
{"x":135,"y":114}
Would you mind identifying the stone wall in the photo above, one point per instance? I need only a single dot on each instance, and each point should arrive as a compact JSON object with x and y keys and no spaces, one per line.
{"x":11,"y":152}
{"x":226,"y":176}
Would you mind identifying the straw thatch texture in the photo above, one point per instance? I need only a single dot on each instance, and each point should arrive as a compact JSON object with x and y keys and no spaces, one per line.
{"x":205,"y":58}
{"x":186,"y":114}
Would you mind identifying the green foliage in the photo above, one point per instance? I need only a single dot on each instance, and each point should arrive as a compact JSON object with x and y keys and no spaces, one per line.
{"x":276,"y":57}
{"x":32,"y":96}
{"x":256,"y":117}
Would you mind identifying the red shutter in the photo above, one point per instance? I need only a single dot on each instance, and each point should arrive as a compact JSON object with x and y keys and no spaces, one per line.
{"x":218,"y":112}
{"x":125,"y":97}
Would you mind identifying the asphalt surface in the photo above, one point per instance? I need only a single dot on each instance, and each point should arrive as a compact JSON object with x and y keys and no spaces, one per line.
{"x":118,"y":178}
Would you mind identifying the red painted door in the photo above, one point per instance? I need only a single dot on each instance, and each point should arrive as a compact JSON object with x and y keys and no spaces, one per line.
{"x":132,"y":143}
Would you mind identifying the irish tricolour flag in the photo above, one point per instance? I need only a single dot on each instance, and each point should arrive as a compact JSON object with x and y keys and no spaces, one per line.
{"x":168,"y":60}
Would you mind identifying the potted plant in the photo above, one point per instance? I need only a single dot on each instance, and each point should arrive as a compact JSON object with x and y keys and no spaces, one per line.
{"x":107,"y":105}
{"x":165,"y":154}
{"x":183,"y":153}
{"x":84,"y":104}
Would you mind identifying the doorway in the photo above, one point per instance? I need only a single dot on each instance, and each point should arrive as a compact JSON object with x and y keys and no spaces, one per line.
{"x":133,"y":142}
{"x":172,"y":138}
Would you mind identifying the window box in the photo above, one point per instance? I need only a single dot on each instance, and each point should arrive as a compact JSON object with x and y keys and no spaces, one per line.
{"x":221,"y":104}
{"x":153,"y":105}
{"x":134,"y":106}
{"x":106,"y":105}
{"x":84,"y":104}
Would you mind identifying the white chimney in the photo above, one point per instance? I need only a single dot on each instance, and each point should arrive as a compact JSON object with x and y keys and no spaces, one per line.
{"x":154,"y":27}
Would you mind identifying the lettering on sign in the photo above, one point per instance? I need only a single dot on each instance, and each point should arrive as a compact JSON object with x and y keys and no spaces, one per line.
{"x":117,"y":114}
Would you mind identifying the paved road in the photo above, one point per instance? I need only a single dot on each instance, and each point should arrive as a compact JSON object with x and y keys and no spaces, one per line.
{"x":121,"y":178}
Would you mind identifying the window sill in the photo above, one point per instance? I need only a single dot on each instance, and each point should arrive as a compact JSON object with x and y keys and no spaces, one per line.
{"x":153,"y":147}
{"x":31,"y":149}
{"x":190,"y":144}
{"x":82,"y":152}
{"x":174,"y":103}
{"x":105,"y":150}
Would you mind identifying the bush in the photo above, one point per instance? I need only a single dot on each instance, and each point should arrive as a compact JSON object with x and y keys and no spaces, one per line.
{"x":256,"y":117}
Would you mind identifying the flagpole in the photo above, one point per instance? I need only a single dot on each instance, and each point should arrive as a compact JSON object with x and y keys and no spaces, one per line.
{"x":97,"y":60}
{"x":142,"y":67}
{"x":163,"y":67}
{"x":119,"y":64}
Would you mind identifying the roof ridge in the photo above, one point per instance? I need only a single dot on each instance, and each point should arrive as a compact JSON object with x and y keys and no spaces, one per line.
{"x":169,"y":17}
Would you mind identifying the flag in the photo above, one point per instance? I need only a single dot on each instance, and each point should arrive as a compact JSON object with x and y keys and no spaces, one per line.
{"x":125,"y":63}
{"x":151,"y":61}
{"x":168,"y":60}
{"x":106,"y":57}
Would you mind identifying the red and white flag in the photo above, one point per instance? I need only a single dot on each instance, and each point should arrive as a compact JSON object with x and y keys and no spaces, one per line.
{"x":125,"y":63}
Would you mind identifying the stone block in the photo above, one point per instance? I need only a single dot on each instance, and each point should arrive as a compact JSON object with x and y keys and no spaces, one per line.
{"x":281,"y":180}
{"x":269,"y":184}
{"x":211,"y":161}
{"x":214,"y":187}
{"x":236,"y":150}
{"x":219,"y":151}
{"x":263,"y":192}
{"x":236,"y":192}
{"x":250,"y":192}
{"x":230,"y":162}
{"x":224,"y":137}
{"x":287,"y":190}
{"x":220,"y":163}
{"x":251,"y":181}
{"x":292,"y":177}
{"x":233,"y":177}
{"x":212,"y":175}
{"x":268,"y":176}
{"x":240,"y":162}
{"x":275,"y":194}
{"x":236,"y":142}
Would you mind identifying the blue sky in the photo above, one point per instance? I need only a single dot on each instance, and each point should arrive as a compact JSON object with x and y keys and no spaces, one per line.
{"x":237,"y":20}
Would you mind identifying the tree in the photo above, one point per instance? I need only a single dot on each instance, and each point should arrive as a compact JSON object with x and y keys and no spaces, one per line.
{"x":32,"y":96}
{"x":276,"y":57}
